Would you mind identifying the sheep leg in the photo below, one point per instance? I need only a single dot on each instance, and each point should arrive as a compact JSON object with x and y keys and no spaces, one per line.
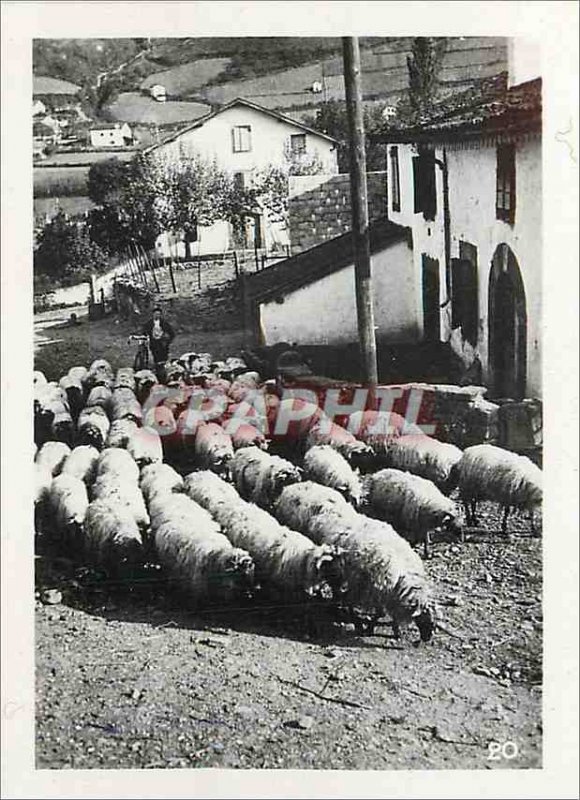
{"x":426,"y":544}
{"x":467,"y":513}
{"x":506,"y":513}
{"x":474,"y":519}
{"x":396,"y":629}
{"x":533,"y":530}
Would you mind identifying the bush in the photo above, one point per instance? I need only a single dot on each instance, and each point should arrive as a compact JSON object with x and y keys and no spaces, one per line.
{"x":65,"y":254}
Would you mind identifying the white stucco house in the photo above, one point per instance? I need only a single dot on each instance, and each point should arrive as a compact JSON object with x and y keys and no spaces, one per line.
{"x":110,"y":135}
{"x":243,"y":138}
{"x":468,"y":182}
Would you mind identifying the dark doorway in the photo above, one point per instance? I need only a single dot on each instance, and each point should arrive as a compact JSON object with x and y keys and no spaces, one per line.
{"x":507,"y":326}
{"x":431,"y":321}
{"x":464,"y":294}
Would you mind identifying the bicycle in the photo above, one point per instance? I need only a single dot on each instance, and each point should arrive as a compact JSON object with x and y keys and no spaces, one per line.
{"x":141,"y":360}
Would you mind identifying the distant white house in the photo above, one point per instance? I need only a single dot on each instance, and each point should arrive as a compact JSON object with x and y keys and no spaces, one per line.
{"x":158,"y":92}
{"x":110,"y":135}
{"x":38,"y":108}
{"x":243,"y":138}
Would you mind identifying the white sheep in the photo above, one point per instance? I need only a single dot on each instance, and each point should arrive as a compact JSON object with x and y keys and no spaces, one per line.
{"x":124,"y":492}
{"x":124,"y":405}
{"x":196,"y":555}
{"x":260,"y":477}
{"x":426,"y":457}
{"x":487,"y":472}
{"x":78,"y":373}
{"x":68,"y":502}
{"x":213,"y":447}
{"x":100,"y":374}
{"x":111,"y":536}
{"x":52,"y":455}
{"x":145,"y":446}
{"x":93,"y":426}
{"x":378,"y":429}
{"x":358,"y":454}
{"x":119,"y":463}
{"x":414,"y":506}
{"x":145,"y":379}
{"x":384,"y":573}
{"x":323,"y":464}
{"x":159,"y":478}
{"x":39,"y":378}
{"x":286,"y":561}
{"x":62,"y":427}
{"x":125,"y":378}
{"x":120,"y":432}
{"x":100,"y":396}
{"x":82,"y":463}
{"x":244,"y":434}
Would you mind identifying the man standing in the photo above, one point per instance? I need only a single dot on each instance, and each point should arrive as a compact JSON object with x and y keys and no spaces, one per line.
{"x":160,"y":334}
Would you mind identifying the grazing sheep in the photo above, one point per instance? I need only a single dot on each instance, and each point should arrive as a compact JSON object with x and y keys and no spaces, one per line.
{"x":260,"y":477}
{"x":323,"y":464}
{"x":62,"y":427}
{"x":93,"y":427}
{"x":118,"y":463}
{"x":100,"y":396}
{"x":378,"y":429}
{"x":111,"y":536}
{"x":78,"y":373}
{"x":52,"y":456}
{"x":414,"y":506}
{"x":39,"y":378}
{"x":120,"y":432}
{"x":125,"y":378}
{"x":82,"y":463}
{"x":75,"y":393}
{"x":213,"y":448}
{"x":124,"y":491}
{"x":161,"y":419}
{"x":124,"y":405}
{"x":145,"y":379}
{"x":145,"y":447}
{"x":244,"y":385}
{"x":199,"y":558}
{"x":384,"y":574}
{"x":486,"y":472}
{"x":159,"y":479}
{"x":68,"y":502}
{"x":100,"y":374}
{"x":426,"y":457}
{"x":358,"y":454}
{"x":286,"y":561}
{"x":245,"y":435}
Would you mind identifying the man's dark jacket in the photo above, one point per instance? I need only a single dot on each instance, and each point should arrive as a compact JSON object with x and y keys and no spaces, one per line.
{"x":165,"y":327}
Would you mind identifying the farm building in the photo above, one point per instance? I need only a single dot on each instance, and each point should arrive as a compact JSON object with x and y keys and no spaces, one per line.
{"x":110,"y":135}
{"x":317,"y":288}
{"x":468,"y":183}
{"x":242,"y":137}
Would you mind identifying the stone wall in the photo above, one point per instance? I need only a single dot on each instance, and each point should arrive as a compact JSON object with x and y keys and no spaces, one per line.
{"x":319,"y":207}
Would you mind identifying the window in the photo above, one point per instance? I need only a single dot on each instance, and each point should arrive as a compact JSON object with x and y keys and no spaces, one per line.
{"x":298,"y":143}
{"x":425,"y":185}
{"x":395,"y":180}
{"x":505,"y":198}
{"x":242,"y":138}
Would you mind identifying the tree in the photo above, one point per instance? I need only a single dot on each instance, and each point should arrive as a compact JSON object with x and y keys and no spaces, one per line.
{"x":423,"y":65}
{"x":65,"y":253}
{"x":331,"y":118}
{"x":105,"y":180}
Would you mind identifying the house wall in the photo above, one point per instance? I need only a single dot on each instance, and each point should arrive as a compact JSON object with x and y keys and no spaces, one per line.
{"x":472,"y":184}
{"x":324,"y":312}
{"x":213,"y":140}
{"x":109,"y":137}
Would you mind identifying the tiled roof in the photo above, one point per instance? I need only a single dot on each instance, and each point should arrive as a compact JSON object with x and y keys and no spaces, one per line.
{"x":243,"y":102}
{"x":490,"y":107}
{"x":42,"y":84}
{"x":305,"y":268}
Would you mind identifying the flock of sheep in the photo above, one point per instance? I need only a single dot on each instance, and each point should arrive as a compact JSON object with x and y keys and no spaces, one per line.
{"x":129,"y":470}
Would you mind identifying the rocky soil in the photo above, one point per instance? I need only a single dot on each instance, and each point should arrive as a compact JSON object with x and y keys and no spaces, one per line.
{"x":130,"y":677}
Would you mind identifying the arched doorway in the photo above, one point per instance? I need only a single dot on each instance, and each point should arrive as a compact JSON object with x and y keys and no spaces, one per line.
{"x":507,"y":330}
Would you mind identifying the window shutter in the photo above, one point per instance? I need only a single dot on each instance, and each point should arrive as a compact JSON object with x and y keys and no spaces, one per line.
{"x":417,"y":193}
{"x":430,"y":204}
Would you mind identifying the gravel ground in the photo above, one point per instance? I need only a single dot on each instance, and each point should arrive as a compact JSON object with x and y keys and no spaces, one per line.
{"x":128,"y":677}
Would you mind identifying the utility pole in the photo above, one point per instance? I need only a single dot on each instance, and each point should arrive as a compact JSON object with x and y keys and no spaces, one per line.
{"x":360,"y":211}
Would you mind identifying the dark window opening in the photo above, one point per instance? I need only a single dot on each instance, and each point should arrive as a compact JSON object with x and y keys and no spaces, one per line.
{"x":431,"y":302}
{"x":464,"y":293}
{"x":505,"y":194}
{"x":425,"y":185}
{"x":395,"y":179}
{"x":298,"y":143}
